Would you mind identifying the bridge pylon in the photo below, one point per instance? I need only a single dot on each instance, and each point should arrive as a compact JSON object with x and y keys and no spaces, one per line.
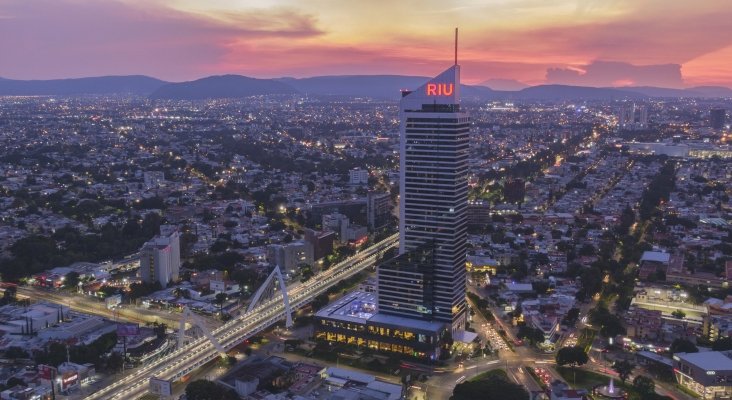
{"x":274,"y":282}
{"x":196,"y":320}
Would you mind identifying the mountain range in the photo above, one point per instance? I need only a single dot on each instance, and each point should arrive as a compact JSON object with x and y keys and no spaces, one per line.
{"x":373,"y":86}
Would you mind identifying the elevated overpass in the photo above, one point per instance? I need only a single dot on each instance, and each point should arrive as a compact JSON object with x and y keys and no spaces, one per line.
{"x":200,"y":351}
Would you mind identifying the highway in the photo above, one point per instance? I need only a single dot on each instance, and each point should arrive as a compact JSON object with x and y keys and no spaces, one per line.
{"x":90,"y":306}
{"x":200,"y":351}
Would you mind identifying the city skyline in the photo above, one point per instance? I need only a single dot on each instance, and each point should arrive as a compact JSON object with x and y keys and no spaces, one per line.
{"x":617,"y":43}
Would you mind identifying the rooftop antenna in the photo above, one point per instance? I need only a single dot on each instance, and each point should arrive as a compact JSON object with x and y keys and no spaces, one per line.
{"x":456,"y":44}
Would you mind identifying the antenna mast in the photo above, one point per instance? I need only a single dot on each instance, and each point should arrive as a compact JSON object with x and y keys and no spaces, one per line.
{"x":456,"y":44}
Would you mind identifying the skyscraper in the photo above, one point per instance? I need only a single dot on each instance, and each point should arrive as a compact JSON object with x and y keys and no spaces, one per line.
{"x":717,"y":118}
{"x":427,"y":280}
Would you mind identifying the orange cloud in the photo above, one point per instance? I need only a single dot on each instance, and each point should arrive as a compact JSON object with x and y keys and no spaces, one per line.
{"x":517,"y":39}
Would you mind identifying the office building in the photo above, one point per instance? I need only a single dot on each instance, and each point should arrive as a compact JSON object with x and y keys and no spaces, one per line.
{"x":358,"y":176}
{"x":378,"y":210}
{"x":322,"y":242}
{"x":160,"y":257}
{"x":289,"y":257}
{"x":433,"y":207}
{"x":633,"y":117}
{"x":717,"y":118}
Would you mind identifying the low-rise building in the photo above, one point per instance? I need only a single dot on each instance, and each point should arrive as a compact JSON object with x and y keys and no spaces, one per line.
{"x":354,"y":320}
{"x":709,"y":374}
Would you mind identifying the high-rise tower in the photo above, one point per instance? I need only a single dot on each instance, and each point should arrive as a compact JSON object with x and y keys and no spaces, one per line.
{"x":427,"y":281}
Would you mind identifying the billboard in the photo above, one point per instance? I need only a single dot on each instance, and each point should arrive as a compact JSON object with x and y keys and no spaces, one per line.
{"x":128,"y":330}
{"x":46,"y":371}
{"x":69,"y":379}
{"x":161,"y":387}
{"x":113,"y":301}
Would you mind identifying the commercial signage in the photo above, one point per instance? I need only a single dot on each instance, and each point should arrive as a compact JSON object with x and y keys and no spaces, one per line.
{"x":46,"y":371}
{"x":69,"y":379}
{"x":440,"y":89}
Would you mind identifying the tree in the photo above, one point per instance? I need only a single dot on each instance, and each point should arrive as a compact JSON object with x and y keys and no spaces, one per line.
{"x":206,"y":390}
{"x":610,"y":325}
{"x":533,"y":335}
{"x":572,"y":356}
{"x":160,"y":330}
{"x":9,"y":296}
{"x":722,"y":344}
{"x":683,"y":346}
{"x":572,"y":316}
{"x":320,"y":301}
{"x":678,"y":314}
{"x":14,"y":352}
{"x":220,"y":300}
{"x":115,"y":362}
{"x":644,"y":385}
{"x":13,"y":382}
{"x":624,"y":369}
{"x":493,"y":388}
{"x":71,"y":280}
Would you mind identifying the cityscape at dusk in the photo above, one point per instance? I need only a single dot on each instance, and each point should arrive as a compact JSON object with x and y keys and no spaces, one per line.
{"x":405,"y":200}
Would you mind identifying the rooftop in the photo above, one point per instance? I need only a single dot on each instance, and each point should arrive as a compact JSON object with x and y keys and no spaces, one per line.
{"x":708,"y":360}
{"x":655,"y":256}
{"x":361,"y":307}
{"x":354,"y":307}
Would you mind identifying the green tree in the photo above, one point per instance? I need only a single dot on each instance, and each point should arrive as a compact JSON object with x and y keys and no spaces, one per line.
{"x":572,"y":356}
{"x":722,"y":344}
{"x":644,"y":385}
{"x":115,"y":362}
{"x":493,"y":388}
{"x":71,"y":280}
{"x":9,"y":296}
{"x":683,"y":346}
{"x":206,"y":390}
{"x":220,"y":300}
{"x":320,"y":301}
{"x":14,"y":352}
{"x":624,"y":369}
{"x":678,"y":314}
{"x":533,"y":335}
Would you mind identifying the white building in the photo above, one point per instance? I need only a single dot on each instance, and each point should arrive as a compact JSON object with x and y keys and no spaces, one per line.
{"x":358,"y":176}
{"x":160,"y":257}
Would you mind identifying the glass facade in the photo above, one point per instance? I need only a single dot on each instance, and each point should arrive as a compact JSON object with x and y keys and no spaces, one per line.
{"x":417,"y":343}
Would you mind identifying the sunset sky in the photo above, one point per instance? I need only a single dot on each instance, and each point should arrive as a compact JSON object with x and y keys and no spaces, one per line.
{"x":672,"y":43}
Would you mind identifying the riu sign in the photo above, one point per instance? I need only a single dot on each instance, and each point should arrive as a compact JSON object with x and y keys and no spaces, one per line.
{"x":440,"y":89}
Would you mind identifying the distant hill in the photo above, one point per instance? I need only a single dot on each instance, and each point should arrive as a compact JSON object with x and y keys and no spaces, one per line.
{"x":564,"y":92}
{"x":132,"y":84}
{"x":504,"y":84}
{"x":374,"y":86}
{"x":221,"y":86}
{"x":712,"y":91}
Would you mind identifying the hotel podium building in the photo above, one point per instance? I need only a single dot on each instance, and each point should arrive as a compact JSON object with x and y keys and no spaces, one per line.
{"x":421,"y":292}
